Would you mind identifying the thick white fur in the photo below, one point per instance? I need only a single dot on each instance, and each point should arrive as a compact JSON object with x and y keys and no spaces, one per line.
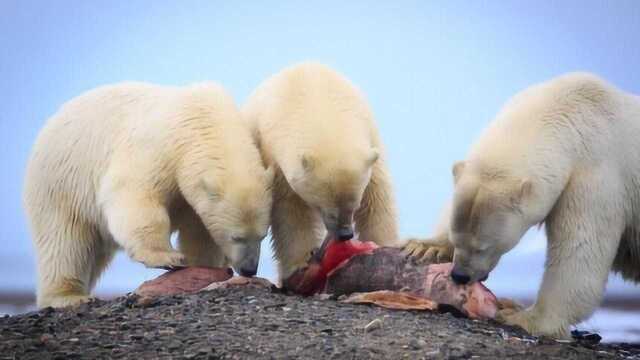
{"x":127,"y":164}
{"x":318,"y":131}
{"x":565,"y":153}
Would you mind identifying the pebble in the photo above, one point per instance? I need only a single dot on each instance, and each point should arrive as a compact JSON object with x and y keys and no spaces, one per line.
{"x":373,"y":325}
{"x":417,"y":344}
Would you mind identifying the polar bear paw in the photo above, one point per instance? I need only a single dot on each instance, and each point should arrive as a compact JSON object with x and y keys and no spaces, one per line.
{"x":160,"y":259}
{"x":64,"y":301}
{"x":532,"y":323}
{"x":429,"y":251}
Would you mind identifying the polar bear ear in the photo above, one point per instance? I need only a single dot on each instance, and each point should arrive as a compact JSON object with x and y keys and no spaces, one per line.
{"x":526,"y":188}
{"x":457,"y":169}
{"x":308,"y":162}
{"x":523,"y":191}
{"x":374,"y":154}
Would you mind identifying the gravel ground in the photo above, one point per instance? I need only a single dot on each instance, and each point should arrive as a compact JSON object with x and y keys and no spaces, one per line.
{"x":256,"y":323}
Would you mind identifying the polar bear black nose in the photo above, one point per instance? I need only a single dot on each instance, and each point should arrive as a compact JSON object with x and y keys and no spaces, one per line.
{"x":344,"y":234}
{"x":460,"y":278}
{"x":248,"y":272}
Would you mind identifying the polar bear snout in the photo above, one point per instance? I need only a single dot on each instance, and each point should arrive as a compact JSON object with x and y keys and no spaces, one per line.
{"x":243,"y":254}
{"x":248,"y":265}
{"x":345,"y":233}
{"x":249,"y":271}
{"x":460,"y":277}
{"x":339,"y":222}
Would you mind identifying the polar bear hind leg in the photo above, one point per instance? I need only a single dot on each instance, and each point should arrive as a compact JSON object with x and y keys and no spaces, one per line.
{"x":627,"y":261}
{"x":70,"y":260}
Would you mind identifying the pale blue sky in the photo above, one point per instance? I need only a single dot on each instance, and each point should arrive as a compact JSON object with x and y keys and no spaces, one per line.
{"x":435,"y":73}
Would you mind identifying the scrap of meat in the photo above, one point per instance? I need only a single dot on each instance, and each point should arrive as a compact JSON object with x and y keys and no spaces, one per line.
{"x":186,"y":280}
{"x":352,"y":266}
{"x":392,"y":300}
{"x":240,"y":281}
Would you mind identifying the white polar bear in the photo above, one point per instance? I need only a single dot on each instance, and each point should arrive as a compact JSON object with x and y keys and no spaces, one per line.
{"x":315,"y":127}
{"x":128,"y":164}
{"x":565,"y":153}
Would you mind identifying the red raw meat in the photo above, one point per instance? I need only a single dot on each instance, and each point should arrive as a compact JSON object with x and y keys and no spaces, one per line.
{"x":186,"y":280}
{"x":312,"y":279}
{"x":347,"y":267}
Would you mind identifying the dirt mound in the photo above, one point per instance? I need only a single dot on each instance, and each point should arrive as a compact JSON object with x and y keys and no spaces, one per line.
{"x":250,"y":322}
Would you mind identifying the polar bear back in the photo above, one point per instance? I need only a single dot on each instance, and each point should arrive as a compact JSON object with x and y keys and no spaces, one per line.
{"x":127,"y":125}
{"x":557,"y":119}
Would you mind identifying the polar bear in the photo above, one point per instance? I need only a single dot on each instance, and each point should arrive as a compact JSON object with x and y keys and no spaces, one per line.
{"x":564,"y":153}
{"x":125,"y":165}
{"x":318,"y":132}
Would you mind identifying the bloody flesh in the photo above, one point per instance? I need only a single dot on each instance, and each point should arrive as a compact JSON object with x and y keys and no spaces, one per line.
{"x":347,"y":267}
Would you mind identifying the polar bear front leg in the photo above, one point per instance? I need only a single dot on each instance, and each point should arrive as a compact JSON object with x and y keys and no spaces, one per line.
{"x":436,"y":249}
{"x":571,"y":290}
{"x":142,"y":227}
{"x":195,"y":242}
{"x":583,"y":235}
{"x":296,"y":231}
{"x":376,"y":220}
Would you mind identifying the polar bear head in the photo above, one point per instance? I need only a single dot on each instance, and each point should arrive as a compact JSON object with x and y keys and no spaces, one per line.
{"x":334,"y":186}
{"x":491,"y":212}
{"x":237,"y":213}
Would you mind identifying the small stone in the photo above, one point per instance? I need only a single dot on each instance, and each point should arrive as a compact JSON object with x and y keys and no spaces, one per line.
{"x":416,"y":344}
{"x":167,"y":331}
{"x":373,"y":325}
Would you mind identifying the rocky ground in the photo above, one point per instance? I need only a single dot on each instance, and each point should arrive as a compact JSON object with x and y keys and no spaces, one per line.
{"x":258,"y":323}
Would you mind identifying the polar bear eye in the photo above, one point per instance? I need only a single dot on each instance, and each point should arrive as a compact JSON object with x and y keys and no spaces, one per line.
{"x":481,"y":247}
{"x":237,"y":239}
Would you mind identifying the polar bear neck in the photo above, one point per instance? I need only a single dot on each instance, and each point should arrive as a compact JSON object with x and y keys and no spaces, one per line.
{"x":223,"y":147}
